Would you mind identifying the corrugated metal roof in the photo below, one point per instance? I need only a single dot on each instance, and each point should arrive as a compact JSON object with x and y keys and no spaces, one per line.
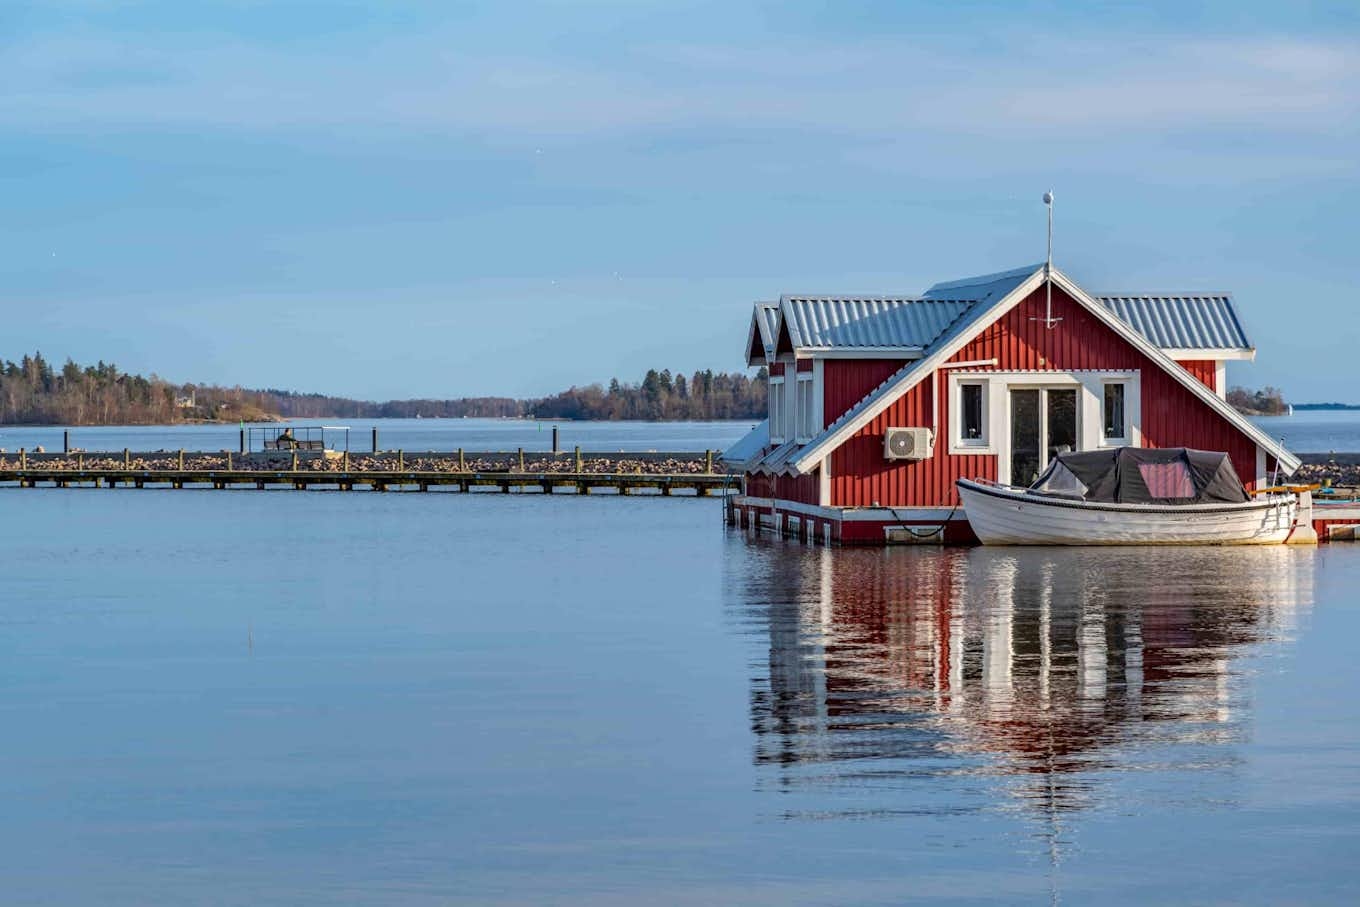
{"x":769,"y":323}
{"x":983,"y":288}
{"x":1184,"y":321}
{"x":883,"y":321}
{"x":750,"y":446}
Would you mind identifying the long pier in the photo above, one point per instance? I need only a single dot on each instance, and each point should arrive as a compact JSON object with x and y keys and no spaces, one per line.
{"x":521,"y":472}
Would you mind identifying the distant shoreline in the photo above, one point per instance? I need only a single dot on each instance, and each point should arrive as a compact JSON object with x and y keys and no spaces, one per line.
{"x":1326,"y":407}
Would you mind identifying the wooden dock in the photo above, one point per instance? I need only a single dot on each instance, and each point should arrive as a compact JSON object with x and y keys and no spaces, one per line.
{"x":301,"y":480}
{"x":513,"y":472}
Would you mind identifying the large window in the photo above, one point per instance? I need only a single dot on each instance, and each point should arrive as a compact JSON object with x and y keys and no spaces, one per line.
{"x":1115,"y":424}
{"x":777,"y":409}
{"x":805,"y":429}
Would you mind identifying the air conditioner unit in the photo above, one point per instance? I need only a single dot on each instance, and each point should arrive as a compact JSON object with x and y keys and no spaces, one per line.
{"x":908,"y":443}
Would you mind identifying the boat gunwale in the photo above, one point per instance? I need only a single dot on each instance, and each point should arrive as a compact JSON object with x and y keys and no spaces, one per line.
{"x":1011,"y":493}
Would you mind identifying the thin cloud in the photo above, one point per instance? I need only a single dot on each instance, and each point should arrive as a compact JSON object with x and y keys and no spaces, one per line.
{"x":881,"y":89}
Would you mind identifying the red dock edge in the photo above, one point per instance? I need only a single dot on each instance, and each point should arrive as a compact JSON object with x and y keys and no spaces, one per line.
{"x":811,"y":524}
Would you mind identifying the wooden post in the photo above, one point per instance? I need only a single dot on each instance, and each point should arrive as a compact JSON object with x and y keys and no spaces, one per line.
{"x":295,"y":460}
{"x":23,"y":458}
{"x":708,"y":462}
{"x":346,"y":469}
{"x":66,"y":442}
{"x":521,"y":459}
{"x":243,"y":440}
{"x":580,"y":467}
{"x":80,"y":463}
{"x":462,"y":464}
{"x":228,"y":461}
{"x":127,"y":459}
{"x":555,"y":448}
{"x":375,"y":439}
{"x":181,"y":459}
{"x":401,"y":461}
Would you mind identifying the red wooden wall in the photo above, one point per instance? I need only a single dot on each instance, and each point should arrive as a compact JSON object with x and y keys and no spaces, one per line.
{"x":1204,"y":369}
{"x":803,"y":489}
{"x":845,"y":382}
{"x":1171,"y":415}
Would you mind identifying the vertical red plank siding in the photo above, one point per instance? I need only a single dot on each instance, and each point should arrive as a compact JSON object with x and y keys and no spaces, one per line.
{"x":1171,"y":415}
{"x":1206,"y":370}
{"x":804,"y":365}
{"x":776,"y":368}
{"x":848,"y":381}
{"x":803,"y":489}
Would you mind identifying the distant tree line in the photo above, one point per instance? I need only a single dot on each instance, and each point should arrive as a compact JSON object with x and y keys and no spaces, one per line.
{"x":1268,"y":401}
{"x":33,"y":392}
{"x":661,"y":395}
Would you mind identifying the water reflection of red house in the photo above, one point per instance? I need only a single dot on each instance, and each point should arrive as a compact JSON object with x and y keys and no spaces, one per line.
{"x":1046,"y":663}
{"x":877,"y":405}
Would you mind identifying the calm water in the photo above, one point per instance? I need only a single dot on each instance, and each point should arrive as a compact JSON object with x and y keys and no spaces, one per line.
{"x":1315,"y":431}
{"x":402,"y":434}
{"x":1307,"y":432}
{"x":321,"y":698}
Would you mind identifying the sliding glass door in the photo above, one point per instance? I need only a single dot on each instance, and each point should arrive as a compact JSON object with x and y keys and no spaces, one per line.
{"x":1043,"y":424}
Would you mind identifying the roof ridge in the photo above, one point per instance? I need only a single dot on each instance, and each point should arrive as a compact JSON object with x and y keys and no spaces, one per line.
{"x":981,"y":279}
{"x":1170,"y":294}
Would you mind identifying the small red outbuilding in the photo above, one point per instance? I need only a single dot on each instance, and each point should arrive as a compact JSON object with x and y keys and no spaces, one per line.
{"x":877,"y":404}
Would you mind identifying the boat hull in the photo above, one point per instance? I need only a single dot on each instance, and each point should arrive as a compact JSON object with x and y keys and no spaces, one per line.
{"x":1005,"y":516}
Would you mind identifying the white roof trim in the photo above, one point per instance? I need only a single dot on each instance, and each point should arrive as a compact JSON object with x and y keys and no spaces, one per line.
{"x":912,"y":374}
{"x":1218,"y":354}
{"x":861,"y":352}
{"x":758,"y":325}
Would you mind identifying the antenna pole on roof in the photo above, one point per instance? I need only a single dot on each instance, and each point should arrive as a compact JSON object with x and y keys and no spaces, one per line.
{"x":1049,"y":321}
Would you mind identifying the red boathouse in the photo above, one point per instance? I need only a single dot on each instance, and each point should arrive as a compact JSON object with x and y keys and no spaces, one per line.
{"x":878,"y":404}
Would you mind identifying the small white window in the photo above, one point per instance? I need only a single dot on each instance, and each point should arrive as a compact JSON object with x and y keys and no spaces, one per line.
{"x":972,"y":414}
{"x":805,"y":428}
{"x":777,"y":409}
{"x":1114,"y":419}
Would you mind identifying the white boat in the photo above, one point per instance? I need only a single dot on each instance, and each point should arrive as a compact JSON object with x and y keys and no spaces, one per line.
{"x":1113,"y":498}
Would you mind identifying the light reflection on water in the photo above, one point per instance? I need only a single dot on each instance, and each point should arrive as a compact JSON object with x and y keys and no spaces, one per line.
{"x":939,"y":681}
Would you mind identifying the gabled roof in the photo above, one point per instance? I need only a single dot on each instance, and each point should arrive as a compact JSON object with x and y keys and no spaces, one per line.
{"x":997,"y":294}
{"x":764,"y":330}
{"x":1182,"y":321}
{"x":827,"y":322}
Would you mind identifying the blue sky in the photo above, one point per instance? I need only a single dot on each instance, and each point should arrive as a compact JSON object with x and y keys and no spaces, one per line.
{"x":448,"y":199}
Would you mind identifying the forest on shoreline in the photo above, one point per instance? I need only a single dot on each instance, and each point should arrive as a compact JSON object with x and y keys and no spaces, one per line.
{"x":33,"y":392}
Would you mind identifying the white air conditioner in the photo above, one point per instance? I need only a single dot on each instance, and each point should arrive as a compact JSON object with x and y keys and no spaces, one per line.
{"x":908,"y":443}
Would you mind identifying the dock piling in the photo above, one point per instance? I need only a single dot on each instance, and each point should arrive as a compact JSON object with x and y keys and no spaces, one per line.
{"x":578,"y":459}
{"x":127,"y":458}
{"x":555,"y":449}
{"x":375,"y":439}
{"x":23,"y":458}
{"x":462,"y":466}
{"x":243,"y":440}
{"x":66,"y":442}
{"x":181,"y":460}
{"x":708,"y":462}
{"x":521,"y":459}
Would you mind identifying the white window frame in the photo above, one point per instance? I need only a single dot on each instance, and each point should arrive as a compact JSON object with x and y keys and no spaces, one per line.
{"x":805,"y":408}
{"x":778,"y":405}
{"x":957,"y":442}
{"x":1121,"y":440}
{"x":1090,"y":408}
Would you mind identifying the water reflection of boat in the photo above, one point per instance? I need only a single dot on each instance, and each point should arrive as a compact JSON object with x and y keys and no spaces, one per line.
{"x":1044,"y":668}
{"x":1131,"y":496}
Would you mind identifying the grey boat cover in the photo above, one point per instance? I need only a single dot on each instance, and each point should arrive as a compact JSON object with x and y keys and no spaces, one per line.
{"x":1142,"y":475}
